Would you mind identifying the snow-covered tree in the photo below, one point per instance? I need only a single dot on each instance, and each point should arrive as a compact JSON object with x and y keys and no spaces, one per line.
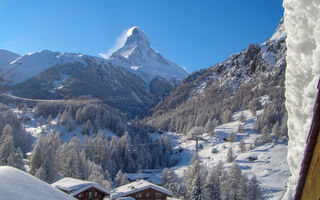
{"x":16,"y":159}
{"x":164,"y":177}
{"x":124,"y":179}
{"x":230,"y":156}
{"x":242,"y":146}
{"x":276,"y":130}
{"x":197,"y":190}
{"x":173,"y":184}
{"x":191,"y":174}
{"x":118,"y":178}
{"x":209,"y":128}
{"x":69,"y":123}
{"x":242,"y":118}
{"x":212,"y":186}
{"x":254,"y":190}
{"x":6,"y":145}
{"x":240,"y":128}
{"x":235,"y":183}
{"x":226,"y":116}
{"x":232,"y":137}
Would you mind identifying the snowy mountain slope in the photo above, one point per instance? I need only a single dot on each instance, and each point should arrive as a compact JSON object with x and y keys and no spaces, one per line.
{"x":5,"y":58}
{"x":230,"y":85}
{"x":250,"y":80}
{"x":37,"y":62}
{"x":139,"y":57}
{"x":270,"y":167}
{"x":16,"y":184}
{"x":112,"y":85}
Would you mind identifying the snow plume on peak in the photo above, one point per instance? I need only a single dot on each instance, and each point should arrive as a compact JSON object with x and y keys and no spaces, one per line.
{"x":302,"y":24}
{"x":136,"y":55}
{"x":133,"y":38}
{"x":128,"y":38}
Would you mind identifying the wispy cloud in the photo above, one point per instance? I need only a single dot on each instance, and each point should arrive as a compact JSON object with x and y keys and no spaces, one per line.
{"x":120,"y":41}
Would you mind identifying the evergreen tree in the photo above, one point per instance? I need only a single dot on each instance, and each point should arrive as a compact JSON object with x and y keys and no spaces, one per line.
{"x":209,"y":128}
{"x":118,"y":178}
{"x":191,"y":174}
{"x":173,"y":184}
{"x":16,"y":159}
{"x":69,"y":123}
{"x":235,"y":183}
{"x":276,"y":130}
{"x":230,"y":156}
{"x":254,"y":190}
{"x":242,"y":146}
{"x":40,"y":174}
{"x":49,"y":120}
{"x":124,"y":179}
{"x":226,"y":116}
{"x":197,"y":192}
{"x":240,"y":128}
{"x":40,"y":121}
{"x":232,"y":137}
{"x":212,"y":186}
{"x":6,"y":145}
{"x":164,"y":177}
{"x":242,"y":118}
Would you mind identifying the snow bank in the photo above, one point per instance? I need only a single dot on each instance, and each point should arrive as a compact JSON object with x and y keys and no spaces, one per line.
{"x":302,"y":23}
{"x":16,"y":184}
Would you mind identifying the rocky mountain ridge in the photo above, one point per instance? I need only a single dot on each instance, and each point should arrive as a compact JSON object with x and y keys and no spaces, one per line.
{"x":227,"y":87}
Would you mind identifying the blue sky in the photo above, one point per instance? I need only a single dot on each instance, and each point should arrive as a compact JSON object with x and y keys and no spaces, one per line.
{"x":193,"y":33}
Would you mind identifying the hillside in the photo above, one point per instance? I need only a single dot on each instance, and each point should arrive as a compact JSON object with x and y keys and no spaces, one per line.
{"x":233,"y":85}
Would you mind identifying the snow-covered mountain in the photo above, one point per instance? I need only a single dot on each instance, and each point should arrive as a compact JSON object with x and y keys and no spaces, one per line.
{"x":136,"y":56}
{"x":5,"y":58}
{"x":34,"y":63}
{"x":139,"y":57}
{"x":88,"y":77}
{"x":249,"y":82}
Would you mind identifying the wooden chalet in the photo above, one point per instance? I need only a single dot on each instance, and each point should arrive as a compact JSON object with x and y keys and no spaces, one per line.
{"x":83,"y":190}
{"x":308,"y":187}
{"x":141,"y":189}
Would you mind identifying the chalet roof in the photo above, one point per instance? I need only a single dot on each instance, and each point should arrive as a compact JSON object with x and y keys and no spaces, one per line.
{"x":16,"y":184}
{"x":310,"y":147}
{"x":136,"y":186}
{"x":75,"y":186}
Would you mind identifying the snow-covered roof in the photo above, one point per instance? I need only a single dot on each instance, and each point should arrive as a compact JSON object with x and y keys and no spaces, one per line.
{"x":136,"y":186}
{"x":76,"y":186}
{"x":16,"y":184}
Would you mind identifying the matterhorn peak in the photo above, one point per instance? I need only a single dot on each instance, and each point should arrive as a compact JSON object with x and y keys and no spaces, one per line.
{"x":136,"y":36}
{"x":134,"y":39}
{"x":138,"y":56}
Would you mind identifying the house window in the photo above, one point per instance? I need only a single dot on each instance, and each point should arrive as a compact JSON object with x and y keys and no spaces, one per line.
{"x":139,"y":195}
{"x":90,"y":195}
{"x":147,"y":195}
{"x":158,"y":195}
{"x":80,"y":195}
{"x":95,"y":194}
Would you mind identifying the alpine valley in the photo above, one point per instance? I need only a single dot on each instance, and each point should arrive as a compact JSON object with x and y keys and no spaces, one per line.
{"x":136,"y":115}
